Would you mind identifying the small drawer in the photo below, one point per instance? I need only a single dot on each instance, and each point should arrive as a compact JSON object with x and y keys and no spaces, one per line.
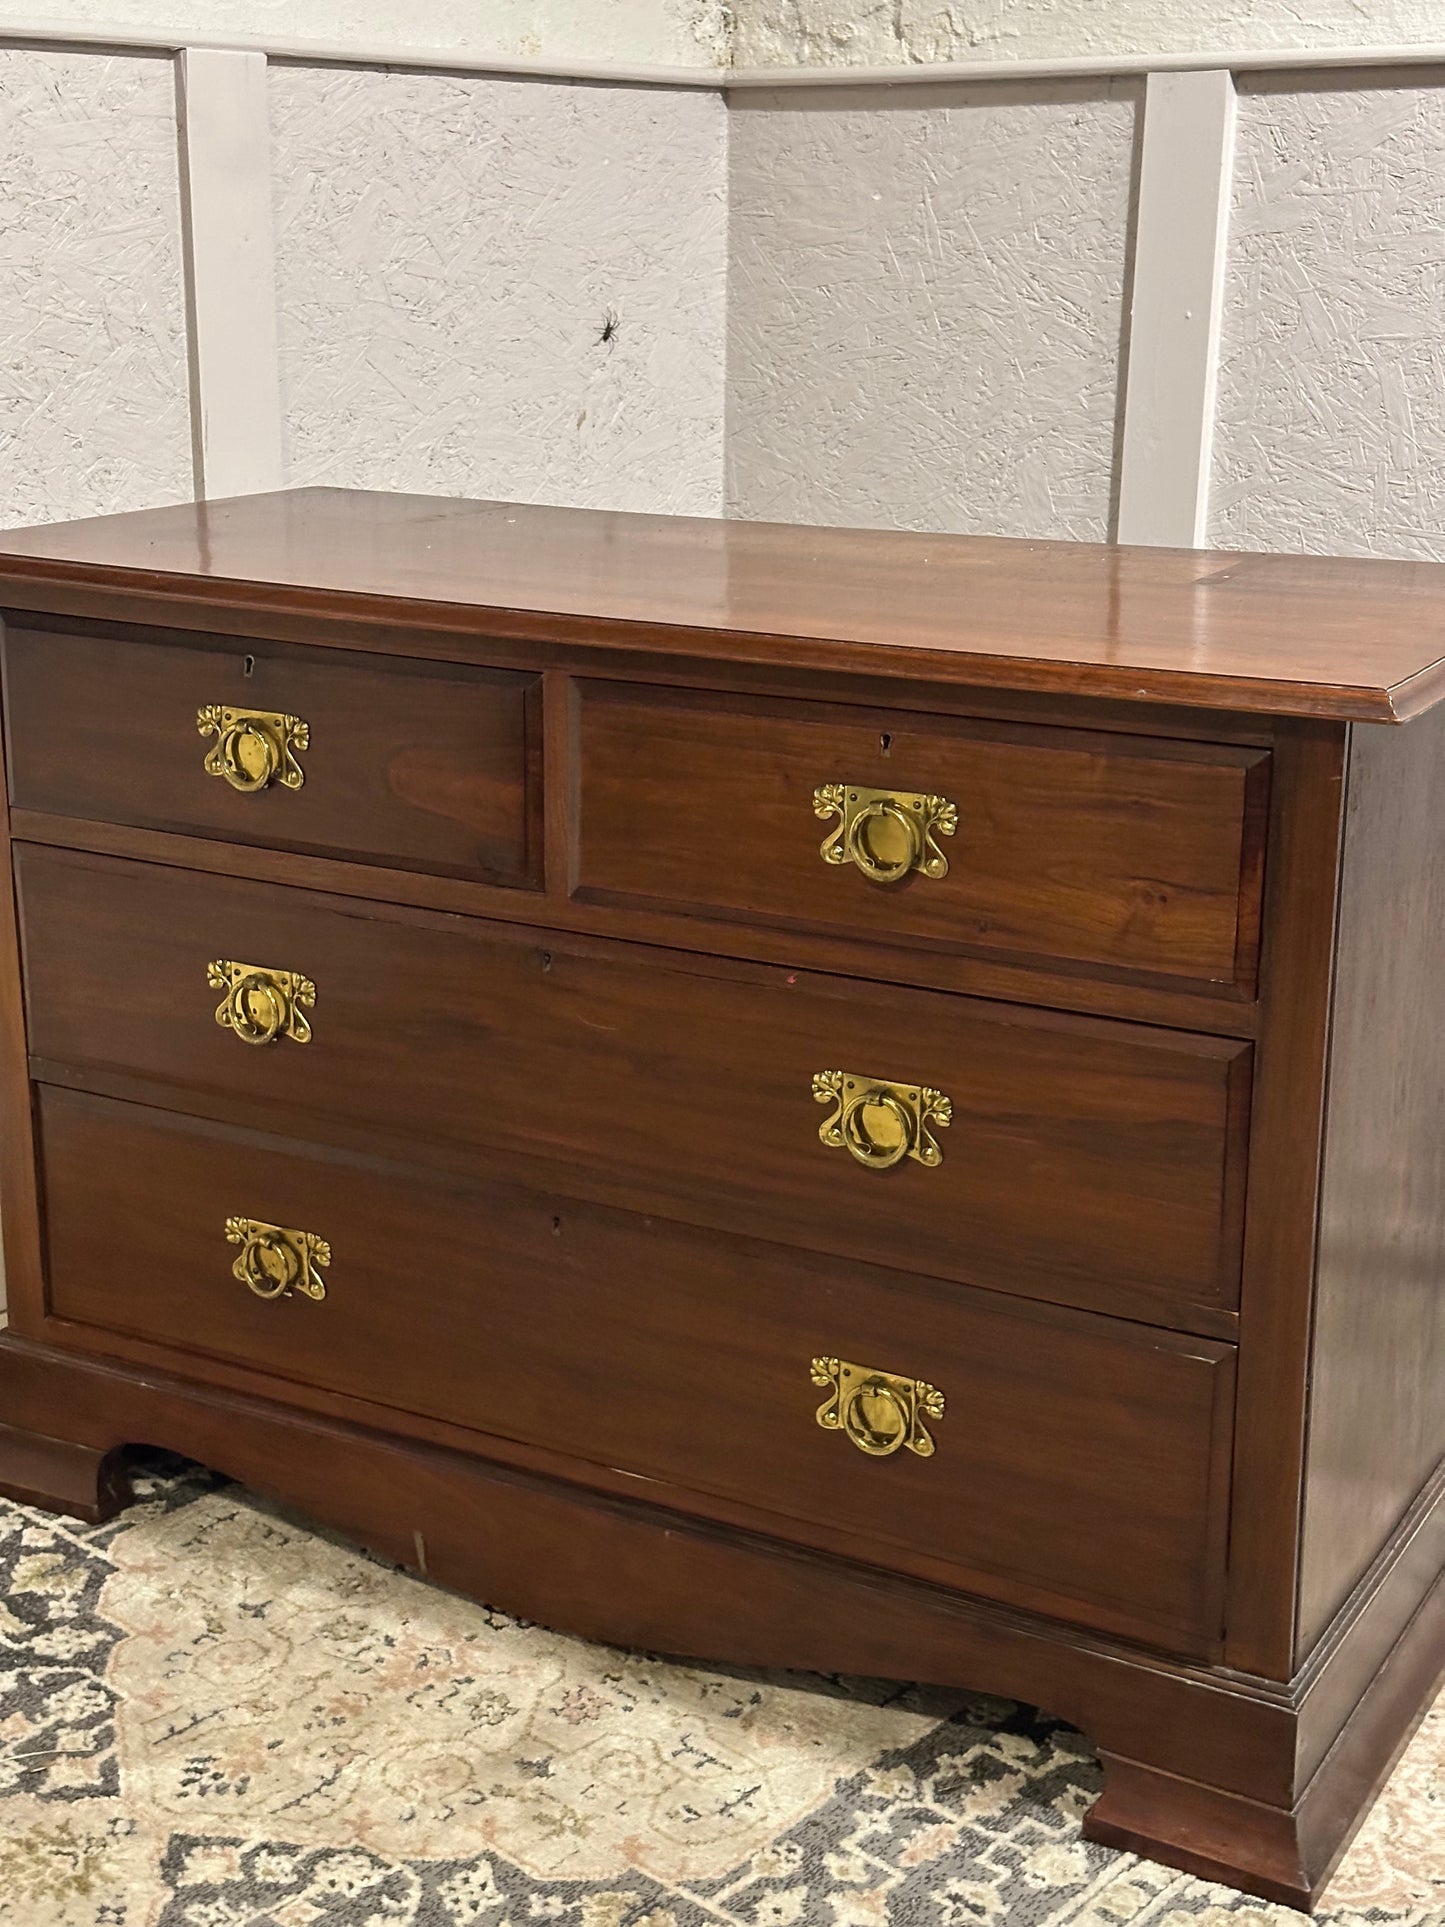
{"x":381,"y":760}
{"x":1091,"y":1162}
{"x":1059,"y":1461}
{"x":1124,"y":855}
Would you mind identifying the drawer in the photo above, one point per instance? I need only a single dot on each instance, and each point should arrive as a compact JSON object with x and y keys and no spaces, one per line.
{"x":1089,"y":1162}
{"x":1111,"y":853}
{"x":406,"y":763}
{"x":1080,"y":1464}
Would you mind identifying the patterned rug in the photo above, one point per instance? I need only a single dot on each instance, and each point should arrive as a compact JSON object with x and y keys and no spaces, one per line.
{"x":211,"y":1716}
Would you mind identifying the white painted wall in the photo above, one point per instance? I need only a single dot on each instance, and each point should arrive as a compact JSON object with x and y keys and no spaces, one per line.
{"x":926,"y":306}
{"x":93,"y":388}
{"x":1331,"y":422}
{"x":832,"y":33}
{"x":928,"y":290}
{"x":449,"y":252}
{"x":641,"y":32}
{"x":712,"y":35}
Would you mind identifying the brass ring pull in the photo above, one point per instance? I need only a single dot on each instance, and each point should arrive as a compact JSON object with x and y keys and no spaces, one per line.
{"x":243,"y":1000}
{"x":887,"y":1147}
{"x":908,"y":846}
{"x":881,"y":1123}
{"x":260,"y":1004}
{"x":254,"y":747}
{"x":273,"y":1262}
{"x":874,"y":1418}
{"x":250,"y":755}
{"x":887,"y":834}
{"x":269,"y":1264}
{"x":879,"y":1412}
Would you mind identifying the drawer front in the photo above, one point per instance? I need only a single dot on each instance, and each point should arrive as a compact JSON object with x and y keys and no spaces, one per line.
{"x":404,"y":763}
{"x":1115,"y":853}
{"x":1087,"y":1162}
{"x":1079,"y":1464}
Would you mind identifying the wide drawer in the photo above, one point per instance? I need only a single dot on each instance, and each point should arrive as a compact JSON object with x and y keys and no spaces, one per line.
{"x":1120,"y":854}
{"x":400,"y":762}
{"x":1079,"y":1465}
{"x":1088,"y":1162}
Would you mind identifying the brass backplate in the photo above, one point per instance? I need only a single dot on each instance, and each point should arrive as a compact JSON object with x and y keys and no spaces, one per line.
{"x":887,"y":834}
{"x":880,"y":1412}
{"x":880,"y":1123}
{"x":275,"y":1261}
{"x":262,"y":1005}
{"x":254,"y":747}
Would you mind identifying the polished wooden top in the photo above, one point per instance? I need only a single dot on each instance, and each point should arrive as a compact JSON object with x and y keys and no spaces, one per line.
{"x":1293,"y":635}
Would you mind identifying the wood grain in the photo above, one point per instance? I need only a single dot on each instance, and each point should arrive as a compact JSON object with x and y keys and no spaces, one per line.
{"x":1072,"y":847}
{"x":1088,"y":1163}
{"x":578,"y":960}
{"x":1281,"y":634}
{"x":1377,"y":1376}
{"x":682,"y":1356}
{"x":408,"y":763}
{"x":22,"y":1280}
{"x":1277,"y":1294}
{"x":38,"y":1470}
{"x":1099,"y":993}
{"x":629,"y":1572}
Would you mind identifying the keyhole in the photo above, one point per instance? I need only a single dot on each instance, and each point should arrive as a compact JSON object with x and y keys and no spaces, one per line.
{"x":885,"y":742}
{"x":248,"y":666}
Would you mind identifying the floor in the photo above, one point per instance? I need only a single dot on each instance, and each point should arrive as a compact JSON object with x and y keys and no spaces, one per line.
{"x":211,"y":1716}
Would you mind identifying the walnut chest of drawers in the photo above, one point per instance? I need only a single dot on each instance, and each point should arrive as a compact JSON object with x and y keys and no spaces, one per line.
{"x":859,"y":1101}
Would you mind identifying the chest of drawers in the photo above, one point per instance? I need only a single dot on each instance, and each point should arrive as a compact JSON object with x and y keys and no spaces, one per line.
{"x":865,"y":1102}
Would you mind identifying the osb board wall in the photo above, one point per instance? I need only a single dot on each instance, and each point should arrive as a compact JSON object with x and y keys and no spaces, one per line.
{"x":451,"y":252}
{"x":927,"y":288}
{"x":845,"y":33}
{"x":926,"y":292}
{"x":663,"y":33}
{"x":1330,"y":431}
{"x":501,"y":287}
{"x":926,"y":305}
{"x":93,"y":383}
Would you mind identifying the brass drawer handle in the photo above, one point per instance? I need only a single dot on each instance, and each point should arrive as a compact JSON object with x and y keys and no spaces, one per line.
{"x":274,"y":1262}
{"x":878,"y":1411}
{"x":886,"y":833}
{"x":254,"y":747}
{"x":262,"y":1005}
{"x":881,"y":1123}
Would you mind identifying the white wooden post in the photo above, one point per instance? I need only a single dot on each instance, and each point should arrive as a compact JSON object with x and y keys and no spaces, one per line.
{"x":1179,"y":259}
{"x":230,"y":271}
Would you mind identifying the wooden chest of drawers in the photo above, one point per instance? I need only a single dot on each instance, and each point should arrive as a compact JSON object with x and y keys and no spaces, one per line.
{"x":856,"y":1101}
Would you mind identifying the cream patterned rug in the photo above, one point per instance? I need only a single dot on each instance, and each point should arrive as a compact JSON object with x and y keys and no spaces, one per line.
{"x":213,"y":1717}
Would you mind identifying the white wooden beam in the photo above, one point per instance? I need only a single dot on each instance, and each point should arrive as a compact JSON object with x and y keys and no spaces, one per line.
{"x":230,"y":271}
{"x":1180,"y":240}
{"x":43,"y":30}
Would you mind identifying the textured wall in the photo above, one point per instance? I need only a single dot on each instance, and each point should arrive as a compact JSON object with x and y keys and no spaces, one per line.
{"x":93,"y":386}
{"x":1331,"y":425}
{"x":708,"y":33}
{"x":835,"y":33}
{"x":925,"y":306}
{"x":642,"y":32}
{"x":449,"y":253}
